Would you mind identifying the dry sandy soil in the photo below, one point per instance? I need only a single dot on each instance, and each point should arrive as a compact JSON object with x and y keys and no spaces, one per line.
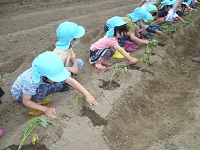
{"x":148,"y":108}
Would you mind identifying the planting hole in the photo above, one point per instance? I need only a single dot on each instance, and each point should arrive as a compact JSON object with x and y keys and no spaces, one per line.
{"x":107,"y":86}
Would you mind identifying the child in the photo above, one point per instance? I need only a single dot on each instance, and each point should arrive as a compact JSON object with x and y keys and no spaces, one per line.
{"x":163,"y":12}
{"x":181,"y":10}
{"x":136,"y":17}
{"x":69,"y":35}
{"x":44,"y":78}
{"x":147,"y":31}
{"x":104,"y":48}
{"x":194,"y":3}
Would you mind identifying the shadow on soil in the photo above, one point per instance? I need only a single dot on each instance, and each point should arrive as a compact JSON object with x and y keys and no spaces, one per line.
{"x":27,"y":147}
{"x":96,"y":119}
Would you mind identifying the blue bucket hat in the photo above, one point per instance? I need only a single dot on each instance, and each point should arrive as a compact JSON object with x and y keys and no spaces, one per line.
{"x":49,"y":64}
{"x":166,"y":3}
{"x":66,"y":32}
{"x":151,"y":8}
{"x":112,"y":23}
{"x":138,"y":14}
{"x":184,"y":3}
{"x":149,"y":17}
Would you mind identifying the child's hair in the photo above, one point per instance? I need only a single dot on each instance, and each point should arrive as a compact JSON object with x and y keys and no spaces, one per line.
{"x":167,"y":6}
{"x":120,"y":29}
{"x":154,"y":13}
{"x":183,"y":6}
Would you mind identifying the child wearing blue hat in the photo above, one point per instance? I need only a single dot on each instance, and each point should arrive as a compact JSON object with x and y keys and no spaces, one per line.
{"x":69,"y":34}
{"x":163,"y":11}
{"x":136,"y":17}
{"x":44,"y":78}
{"x":102,"y":50}
{"x":147,"y":31}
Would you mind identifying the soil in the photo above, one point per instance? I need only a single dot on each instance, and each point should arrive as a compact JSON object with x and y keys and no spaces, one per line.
{"x":148,"y":108}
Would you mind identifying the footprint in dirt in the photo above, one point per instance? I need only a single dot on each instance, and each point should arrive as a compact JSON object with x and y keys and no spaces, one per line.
{"x":135,"y":67}
{"x":107,"y":85}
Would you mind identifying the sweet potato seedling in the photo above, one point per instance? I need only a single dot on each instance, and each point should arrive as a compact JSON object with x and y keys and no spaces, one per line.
{"x":31,"y":125}
{"x":78,"y":98}
{"x":117,"y":67}
{"x":149,"y":51}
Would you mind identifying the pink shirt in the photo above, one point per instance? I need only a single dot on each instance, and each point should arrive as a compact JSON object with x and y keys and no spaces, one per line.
{"x":104,"y":43}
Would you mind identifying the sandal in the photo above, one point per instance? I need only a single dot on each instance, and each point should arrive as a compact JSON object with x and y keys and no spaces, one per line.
{"x":2,"y":132}
{"x":34,"y":112}
{"x":99,"y":66}
{"x":45,"y":101}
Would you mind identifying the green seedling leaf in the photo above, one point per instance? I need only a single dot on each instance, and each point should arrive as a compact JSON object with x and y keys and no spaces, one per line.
{"x":148,"y":51}
{"x":31,"y":125}
{"x":78,"y":98}
{"x":125,"y":69}
{"x":164,"y":26}
{"x":152,"y":63}
{"x":117,"y":67}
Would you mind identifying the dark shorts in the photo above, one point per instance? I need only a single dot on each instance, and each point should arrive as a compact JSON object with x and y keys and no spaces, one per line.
{"x":96,"y":55}
{"x":43,"y":90}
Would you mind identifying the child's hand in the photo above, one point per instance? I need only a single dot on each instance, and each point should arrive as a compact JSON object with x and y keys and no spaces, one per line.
{"x":50,"y":112}
{"x":133,"y":60}
{"x":160,"y":33}
{"x":146,"y":42}
{"x":90,"y":99}
{"x":127,"y":33}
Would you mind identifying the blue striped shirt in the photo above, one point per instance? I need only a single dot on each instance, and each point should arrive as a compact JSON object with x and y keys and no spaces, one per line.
{"x":24,"y":84}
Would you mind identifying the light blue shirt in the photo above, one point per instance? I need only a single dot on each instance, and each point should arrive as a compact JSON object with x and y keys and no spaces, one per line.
{"x":24,"y":84}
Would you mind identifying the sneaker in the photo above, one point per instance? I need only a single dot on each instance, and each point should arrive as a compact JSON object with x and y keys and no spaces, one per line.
{"x":196,"y":59}
{"x":151,"y":34}
{"x":47,"y":100}
{"x":147,"y":36}
{"x":65,"y":87}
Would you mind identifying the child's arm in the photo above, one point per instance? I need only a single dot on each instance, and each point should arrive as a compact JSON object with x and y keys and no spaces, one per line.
{"x":180,"y":18}
{"x":136,"y":39}
{"x":141,"y":3}
{"x":125,"y":54}
{"x":74,"y":68}
{"x":50,"y":112}
{"x":90,"y":99}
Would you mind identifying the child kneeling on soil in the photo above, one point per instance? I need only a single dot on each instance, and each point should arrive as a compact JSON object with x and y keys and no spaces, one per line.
{"x":44,"y":78}
{"x":137,"y":16}
{"x":104,"y":48}
{"x":69,"y":34}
